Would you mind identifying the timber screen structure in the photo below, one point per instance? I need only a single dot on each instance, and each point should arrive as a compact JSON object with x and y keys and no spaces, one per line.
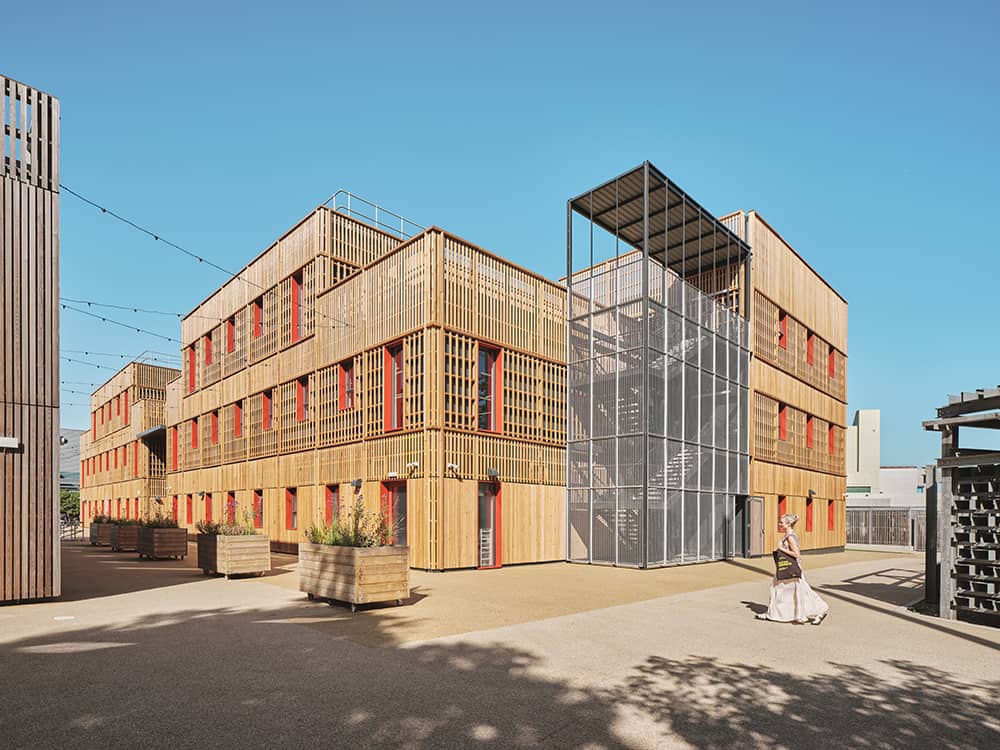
{"x":658,"y":369}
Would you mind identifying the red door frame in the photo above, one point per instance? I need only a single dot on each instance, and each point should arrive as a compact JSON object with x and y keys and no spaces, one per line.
{"x":386,"y":493}
{"x":498,"y":521}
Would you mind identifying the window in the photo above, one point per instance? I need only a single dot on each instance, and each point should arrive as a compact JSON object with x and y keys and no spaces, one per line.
{"x":215,"y":427}
{"x":829,"y":439}
{"x":93,"y":423}
{"x":258,"y":509}
{"x":238,"y":419}
{"x":118,"y":508}
{"x":231,"y":506}
{"x":345,"y":396}
{"x":116,"y":457}
{"x":137,"y":507}
{"x":809,"y":514}
{"x":191,"y":366}
{"x":782,"y":329}
{"x":810,"y":345}
{"x":809,"y":432}
{"x":190,"y":510}
{"x":258,"y":317}
{"x":231,"y":335}
{"x":302,"y":399}
{"x":128,"y":513}
{"x":266,"y":410}
{"x":135,"y":459}
{"x":126,"y":407}
{"x":102,"y":415}
{"x":173,"y":511}
{"x":208,"y":348}
{"x":208,"y":506}
{"x":831,"y":515}
{"x":173,"y":446}
{"x":296,"y":302}
{"x":291,"y":508}
{"x":118,"y":405}
{"x":782,"y":422}
{"x":782,"y":506}
{"x":831,"y":364}
{"x":393,"y":387}
{"x":488,"y":389}
{"x":194,"y":433}
{"x":332,"y":505}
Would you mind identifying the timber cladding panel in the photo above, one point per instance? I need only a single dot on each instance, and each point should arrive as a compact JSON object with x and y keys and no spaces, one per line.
{"x":29,"y":352}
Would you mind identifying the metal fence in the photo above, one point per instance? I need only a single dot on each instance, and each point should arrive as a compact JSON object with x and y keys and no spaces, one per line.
{"x":896,"y":527}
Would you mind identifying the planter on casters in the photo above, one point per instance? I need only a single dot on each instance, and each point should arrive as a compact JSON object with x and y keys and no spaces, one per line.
{"x":234,"y":554}
{"x":124,"y":538}
{"x":100,"y":534}
{"x":357,"y":575}
{"x":158,"y":543}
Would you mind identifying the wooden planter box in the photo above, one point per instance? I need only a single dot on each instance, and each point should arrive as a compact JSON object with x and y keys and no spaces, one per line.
{"x":160,"y":543}
{"x":100,"y":533}
{"x":124,"y":538}
{"x":232,"y":555}
{"x":358,"y":575}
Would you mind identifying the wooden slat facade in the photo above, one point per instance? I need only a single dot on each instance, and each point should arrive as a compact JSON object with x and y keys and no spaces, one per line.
{"x":361,"y":294}
{"x":29,"y":353}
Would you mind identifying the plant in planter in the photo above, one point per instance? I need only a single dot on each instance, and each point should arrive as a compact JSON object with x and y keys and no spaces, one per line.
{"x":350,"y":560}
{"x":100,"y":530}
{"x":160,"y":537}
{"x":232,"y":548}
{"x":124,"y":534}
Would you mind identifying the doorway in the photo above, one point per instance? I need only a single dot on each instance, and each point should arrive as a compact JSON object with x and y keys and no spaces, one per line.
{"x":394,"y":511}
{"x":489,"y":526}
{"x":750,"y":521}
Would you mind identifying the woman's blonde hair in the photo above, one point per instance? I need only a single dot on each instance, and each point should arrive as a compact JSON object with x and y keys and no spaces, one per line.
{"x":790,"y":519}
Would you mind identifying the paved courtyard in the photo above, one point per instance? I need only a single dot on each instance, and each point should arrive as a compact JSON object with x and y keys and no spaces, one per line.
{"x":153,"y":654}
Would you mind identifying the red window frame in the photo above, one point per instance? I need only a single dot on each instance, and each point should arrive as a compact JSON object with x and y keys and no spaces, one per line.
{"x":393,"y":386}
{"x":118,"y":508}
{"x":494,"y":387}
{"x":831,"y":364}
{"x":190,"y":509}
{"x":118,"y":405}
{"x":302,"y":399}
{"x":238,"y":419}
{"x":128,"y":510}
{"x":258,"y":509}
{"x":231,"y":335}
{"x":175,"y":461}
{"x":174,"y":509}
{"x":830,"y":440}
{"x":208,"y":348}
{"x":331,"y":505}
{"x":194,"y":433}
{"x":137,"y":507}
{"x":291,"y":508}
{"x":296,"y":302}
{"x":231,"y":506}
{"x":782,"y":507}
{"x":809,"y":514}
{"x":215,"y":427}
{"x":831,"y":515}
{"x":782,"y":422}
{"x":810,"y":346}
{"x":345,"y":393}
{"x":102,"y":415}
{"x":258,"y":316}
{"x":93,"y":422}
{"x":115,"y":451}
{"x":192,"y":363}
{"x":125,"y":456}
{"x":135,"y":459}
{"x":208,"y":506}
{"x":126,"y":407}
{"x":809,"y":432}
{"x":266,"y":420}
{"x":782,"y":329}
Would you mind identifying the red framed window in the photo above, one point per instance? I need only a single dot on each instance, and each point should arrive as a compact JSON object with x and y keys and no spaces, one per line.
{"x":291,"y":508}
{"x":137,"y":507}
{"x":126,"y":407}
{"x":208,"y":506}
{"x":118,"y":405}
{"x":809,"y":514}
{"x":116,"y":457}
{"x":258,"y":317}
{"x":830,"y":438}
{"x":192,"y":364}
{"x":258,"y":509}
{"x":208,"y":348}
{"x":238,"y":419}
{"x":173,"y":510}
{"x":810,"y":347}
{"x":118,"y":508}
{"x":231,"y":335}
{"x":93,"y":423}
{"x":194,"y":433}
{"x":102,"y":415}
{"x":809,"y":432}
{"x":782,"y":422}
{"x":231,"y":506}
{"x":345,"y":395}
{"x":302,"y":399}
{"x":266,"y":420}
{"x":125,"y":456}
{"x":215,"y":427}
{"x":189,"y":508}
{"x":83,"y":474}
{"x":173,"y":446}
{"x":332,"y":504}
{"x":393,"y":362}
{"x":831,"y":364}
{"x":782,"y":506}
{"x":489,"y":389}
{"x":128,"y":510}
{"x":135,"y":459}
{"x":783,"y":329}
{"x":831,"y":515}
{"x":296,"y":306}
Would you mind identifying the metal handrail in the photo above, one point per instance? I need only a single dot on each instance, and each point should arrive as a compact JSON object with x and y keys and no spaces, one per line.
{"x":347,"y":203}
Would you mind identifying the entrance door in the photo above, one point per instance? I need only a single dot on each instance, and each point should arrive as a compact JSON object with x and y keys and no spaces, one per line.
{"x":755,"y":527}
{"x":488,"y":542}
{"x":394,"y":510}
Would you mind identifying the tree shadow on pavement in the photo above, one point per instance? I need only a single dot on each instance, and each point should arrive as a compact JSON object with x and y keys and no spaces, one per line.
{"x":894,"y":704}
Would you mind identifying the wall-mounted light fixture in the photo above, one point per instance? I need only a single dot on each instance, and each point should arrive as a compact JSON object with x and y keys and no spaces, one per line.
{"x":392,"y":474}
{"x":356,"y":484}
{"x":810,"y":493}
{"x":412,"y":466}
{"x":159,"y":500}
{"x":452,"y":467}
{"x":492,"y":473}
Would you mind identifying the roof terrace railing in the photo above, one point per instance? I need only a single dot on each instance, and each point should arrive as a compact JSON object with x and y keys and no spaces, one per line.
{"x":362,"y":209}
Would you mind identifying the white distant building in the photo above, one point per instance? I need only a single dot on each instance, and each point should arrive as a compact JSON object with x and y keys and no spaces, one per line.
{"x":870,"y":484}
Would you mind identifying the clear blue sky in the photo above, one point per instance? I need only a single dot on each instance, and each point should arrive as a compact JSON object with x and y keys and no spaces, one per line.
{"x":865,"y":132}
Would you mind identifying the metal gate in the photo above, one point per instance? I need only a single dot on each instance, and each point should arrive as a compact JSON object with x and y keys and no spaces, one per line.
{"x":895,"y":527}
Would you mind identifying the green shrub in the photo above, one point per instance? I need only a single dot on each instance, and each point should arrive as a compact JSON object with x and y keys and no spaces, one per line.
{"x":125,"y":521}
{"x":101,"y":519}
{"x":159,"y":522}
{"x":360,"y":528}
{"x":241,"y":527}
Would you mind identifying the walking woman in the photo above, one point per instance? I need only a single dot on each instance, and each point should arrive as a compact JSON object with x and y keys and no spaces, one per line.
{"x":792,"y":599}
